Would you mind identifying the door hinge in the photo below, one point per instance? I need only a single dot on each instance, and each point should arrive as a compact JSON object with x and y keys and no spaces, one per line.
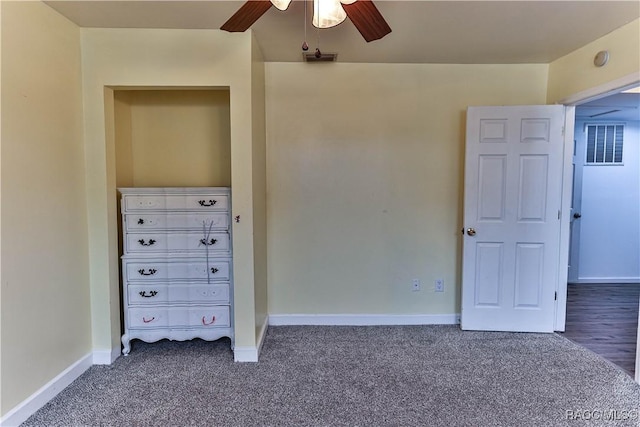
{"x":558,"y":214}
{"x":555,"y":296}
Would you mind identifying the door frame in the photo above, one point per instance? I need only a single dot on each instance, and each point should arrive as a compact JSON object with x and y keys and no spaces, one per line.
{"x":565,"y":223}
{"x":591,"y":94}
{"x":576,"y":207}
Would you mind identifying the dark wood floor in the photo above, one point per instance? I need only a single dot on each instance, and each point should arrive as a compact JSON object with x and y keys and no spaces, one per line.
{"x":604,"y":319}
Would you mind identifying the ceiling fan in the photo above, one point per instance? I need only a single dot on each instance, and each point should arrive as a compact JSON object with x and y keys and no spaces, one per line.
{"x":364,"y":15}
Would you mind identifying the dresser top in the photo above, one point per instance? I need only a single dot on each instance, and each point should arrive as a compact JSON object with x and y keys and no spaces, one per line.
{"x":173,"y":190}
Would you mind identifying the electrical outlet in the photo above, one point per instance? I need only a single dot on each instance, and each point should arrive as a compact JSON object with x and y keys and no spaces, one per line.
{"x":439,"y":285}
{"x":415,"y":285}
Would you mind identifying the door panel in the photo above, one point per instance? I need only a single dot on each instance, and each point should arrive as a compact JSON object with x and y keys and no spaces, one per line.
{"x":492,"y":187}
{"x":488,"y":279}
{"x":529,"y":273}
{"x":532,"y":192}
{"x":513,"y":189}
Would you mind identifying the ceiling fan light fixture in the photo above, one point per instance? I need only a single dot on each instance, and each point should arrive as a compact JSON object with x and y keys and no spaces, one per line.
{"x":328,"y":13}
{"x":363,"y":14}
{"x":281,"y":4}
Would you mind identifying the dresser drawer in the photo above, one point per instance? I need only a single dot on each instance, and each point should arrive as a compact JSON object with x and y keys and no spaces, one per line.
{"x":176,"y":221}
{"x":158,"y":271}
{"x":178,"y":317}
{"x":149,"y":243}
{"x":178,"y":294}
{"x":199,"y":202}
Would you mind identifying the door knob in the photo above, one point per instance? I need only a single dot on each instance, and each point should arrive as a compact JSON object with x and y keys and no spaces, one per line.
{"x":577,"y":215}
{"x":471,"y":231}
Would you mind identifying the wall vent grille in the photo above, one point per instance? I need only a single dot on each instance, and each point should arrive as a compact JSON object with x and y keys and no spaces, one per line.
{"x":604,"y":144}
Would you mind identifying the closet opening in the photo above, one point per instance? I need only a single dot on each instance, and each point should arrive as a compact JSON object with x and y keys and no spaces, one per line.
{"x":170,"y":137}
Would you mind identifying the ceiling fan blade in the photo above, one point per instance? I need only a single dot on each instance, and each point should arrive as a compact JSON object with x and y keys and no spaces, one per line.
{"x":367,"y":19}
{"x":246,"y":15}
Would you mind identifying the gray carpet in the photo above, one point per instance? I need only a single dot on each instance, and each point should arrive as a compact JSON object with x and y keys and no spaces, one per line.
{"x":354,"y":376}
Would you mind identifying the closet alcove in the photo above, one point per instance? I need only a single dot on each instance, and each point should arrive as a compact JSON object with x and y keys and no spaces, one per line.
{"x":169,"y":139}
{"x":172,"y":138}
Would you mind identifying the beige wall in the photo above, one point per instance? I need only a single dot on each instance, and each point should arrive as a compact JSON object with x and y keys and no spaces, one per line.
{"x":123,"y":138}
{"x":173,"y":138}
{"x":575,"y":72}
{"x":131,"y":58}
{"x":259,"y":187}
{"x":365,"y":168}
{"x":45,"y":292}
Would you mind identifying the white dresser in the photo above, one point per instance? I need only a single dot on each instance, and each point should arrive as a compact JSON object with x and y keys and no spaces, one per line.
{"x":176,"y":264}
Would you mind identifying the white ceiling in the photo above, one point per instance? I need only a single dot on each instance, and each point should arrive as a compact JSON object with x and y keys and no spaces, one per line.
{"x":480,"y":32}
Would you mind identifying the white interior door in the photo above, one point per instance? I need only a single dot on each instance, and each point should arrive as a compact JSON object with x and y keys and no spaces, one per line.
{"x":512,"y":201}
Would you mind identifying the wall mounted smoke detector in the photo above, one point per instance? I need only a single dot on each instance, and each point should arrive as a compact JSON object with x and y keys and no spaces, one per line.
{"x":601,"y":58}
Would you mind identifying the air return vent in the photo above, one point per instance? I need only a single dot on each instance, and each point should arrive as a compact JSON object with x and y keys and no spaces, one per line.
{"x":324,"y":57}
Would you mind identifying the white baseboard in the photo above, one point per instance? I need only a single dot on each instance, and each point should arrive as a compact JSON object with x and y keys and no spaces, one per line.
{"x":608,"y":280}
{"x":251,"y":354}
{"x":245,"y":354}
{"x":262,"y":334}
{"x":106,"y":357}
{"x":37,"y":400}
{"x":363,"y":319}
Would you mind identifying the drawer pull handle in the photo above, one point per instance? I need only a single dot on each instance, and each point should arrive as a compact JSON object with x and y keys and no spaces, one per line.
{"x":209,"y":243}
{"x":140,"y":221}
{"x":143,"y":243}
{"x":214,"y":270}
{"x":151,"y":294}
{"x":151,"y":272}
{"x":207,"y":203}
{"x":144,"y":319}
{"x":204,"y":320}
